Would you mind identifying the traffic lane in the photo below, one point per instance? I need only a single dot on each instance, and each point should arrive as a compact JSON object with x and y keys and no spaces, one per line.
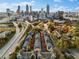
{"x":2,"y":51}
{"x":12,"y":46}
{"x":15,"y":42}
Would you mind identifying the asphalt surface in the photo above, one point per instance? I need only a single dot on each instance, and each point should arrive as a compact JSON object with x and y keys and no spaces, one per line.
{"x":10,"y":46}
{"x":4,"y":49}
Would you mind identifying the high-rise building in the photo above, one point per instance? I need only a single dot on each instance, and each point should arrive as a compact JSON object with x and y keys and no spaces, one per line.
{"x":48,"y":9}
{"x":27,"y":8}
{"x":18,"y":8}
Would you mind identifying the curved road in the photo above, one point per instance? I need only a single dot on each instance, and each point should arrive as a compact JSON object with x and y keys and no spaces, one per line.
{"x":14,"y":43}
{"x":3,"y":50}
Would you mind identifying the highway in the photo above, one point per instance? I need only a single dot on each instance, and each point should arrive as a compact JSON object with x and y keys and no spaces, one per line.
{"x":15,"y":43}
{"x":10,"y":46}
{"x":4,"y":49}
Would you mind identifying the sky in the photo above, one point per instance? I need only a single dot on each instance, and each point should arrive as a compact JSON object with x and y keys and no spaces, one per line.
{"x":55,"y":5}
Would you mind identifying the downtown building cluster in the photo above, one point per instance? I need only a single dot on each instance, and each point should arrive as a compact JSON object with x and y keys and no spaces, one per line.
{"x":31,"y":15}
{"x":37,"y":14}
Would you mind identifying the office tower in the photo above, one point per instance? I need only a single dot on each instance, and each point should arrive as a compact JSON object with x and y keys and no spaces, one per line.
{"x":48,"y":9}
{"x":27,"y":9}
{"x":18,"y":8}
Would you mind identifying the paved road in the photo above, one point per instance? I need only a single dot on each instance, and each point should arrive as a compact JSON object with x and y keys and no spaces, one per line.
{"x":3,"y":50}
{"x":14,"y":43}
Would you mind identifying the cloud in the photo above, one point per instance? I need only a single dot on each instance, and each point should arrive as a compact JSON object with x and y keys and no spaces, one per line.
{"x":60,"y":8}
{"x":13,"y":6}
{"x":4,"y":6}
{"x":77,"y":9}
{"x":72,"y":0}
{"x":63,"y":0}
{"x":57,"y":0}
{"x":24,"y":3}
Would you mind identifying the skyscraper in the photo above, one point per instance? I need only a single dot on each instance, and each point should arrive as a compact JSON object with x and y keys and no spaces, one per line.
{"x":48,"y":9}
{"x":18,"y":8}
{"x":27,"y":8}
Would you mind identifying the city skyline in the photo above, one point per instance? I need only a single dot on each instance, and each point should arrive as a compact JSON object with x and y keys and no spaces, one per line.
{"x":55,"y":5}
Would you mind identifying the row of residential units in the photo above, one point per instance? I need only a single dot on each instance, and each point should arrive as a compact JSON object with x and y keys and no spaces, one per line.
{"x":34,"y":47}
